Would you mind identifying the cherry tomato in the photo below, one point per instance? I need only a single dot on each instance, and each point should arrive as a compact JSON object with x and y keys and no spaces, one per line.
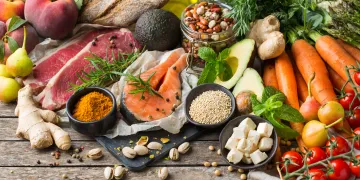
{"x":357,"y":143}
{"x":354,"y":120}
{"x":317,"y":174}
{"x":339,"y":170}
{"x":295,"y":158}
{"x":355,"y":166}
{"x":357,"y":77}
{"x":340,"y":146}
{"x":316,"y":155}
{"x":347,"y":99}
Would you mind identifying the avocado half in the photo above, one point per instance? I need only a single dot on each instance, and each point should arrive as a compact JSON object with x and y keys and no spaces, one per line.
{"x":158,"y":29}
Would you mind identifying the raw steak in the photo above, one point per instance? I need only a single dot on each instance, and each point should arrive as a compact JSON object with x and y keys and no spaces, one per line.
{"x":57,"y":92}
{"x":49,"y":65}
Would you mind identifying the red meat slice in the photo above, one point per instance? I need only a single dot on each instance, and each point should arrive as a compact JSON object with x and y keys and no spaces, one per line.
{"x":57,"y":92}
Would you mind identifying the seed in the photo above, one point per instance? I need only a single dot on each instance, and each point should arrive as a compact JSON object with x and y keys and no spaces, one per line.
{"x":93,"y":43}
{"x":200,"y":10}
{"x":73,"y":155}
{"x":167,"y":99}
{"x":174,"y":67}
{"x":174,"y":154}
{"x":38,"y":162}
{"x":243,"y":176}
{"x":217,"y":173}
{"x":68,"y":161}
{"x":223,"y":25}
{"x":230,"y":168}
{"x":157,"y":109}
{"x":77,"y":156}
{"x":218,"y":152}
{"x":217,"y":28}
{"x":214,"y":164}
{"x":163,"y":173}
{"x":206,"y":164}
{"x":80,"y":159}
{"x":203,"y":21}
{"x":211,"y":148}
{"x":64,"y":176}
{"x":177,"y":97}
{"x":212,"y":23}
{"x":240,"y":170}
{"x":282,"y":142}
{"x":53,"y":153}
{"x":209,"y":30}
{"x":76,"y":150}
{"x":288,"y":143}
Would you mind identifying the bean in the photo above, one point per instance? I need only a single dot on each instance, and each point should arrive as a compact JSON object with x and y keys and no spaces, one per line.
{"x":217,"y":10}
{"x":192,"y":26}
{"x":203,"y":3}
{"x":188,"y":8}
{"x":195,"y":16}
{"x":217,"y":28}
{"x":227,"y":19}
{"x":209,"y":30}
{"x":188,"y":14}
{"x":204,"y":21}
{"x":200,"y":30}
{"x":203,"y":27}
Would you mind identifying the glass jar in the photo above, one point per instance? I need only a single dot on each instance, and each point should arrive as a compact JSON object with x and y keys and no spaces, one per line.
{"x":193,"y":39}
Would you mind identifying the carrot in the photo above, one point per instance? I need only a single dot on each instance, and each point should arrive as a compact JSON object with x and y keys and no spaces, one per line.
{"x":287,"y":84}
{"x":269,"y":76}
{"x":333,"y":54}
{"x":337,"y":81}
{"x":308,"y":61}
{"x":301,"y":85}
{"x":353,"y":51}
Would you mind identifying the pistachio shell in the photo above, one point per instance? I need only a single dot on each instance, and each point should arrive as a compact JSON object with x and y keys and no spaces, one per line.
{"x":174,"y":154}
{"x":109,"y":173}
{"x":119,"y":172}
{"x":143,"y":140}
{"x":129,"y":153}
{"x":184,"y":147}
{"x":154,"y":146}
{"x":141,"y":150}
{"x":95,"y":153}
{"x":163,"y":173}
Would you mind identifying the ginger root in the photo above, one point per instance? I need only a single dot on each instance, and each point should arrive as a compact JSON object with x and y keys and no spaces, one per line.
{"x":269,"y":40}
{"x":38,"y":125}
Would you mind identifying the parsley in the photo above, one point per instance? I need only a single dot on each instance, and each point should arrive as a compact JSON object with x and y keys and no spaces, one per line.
{"x":273,"y":109}
{"x":215,"y":66}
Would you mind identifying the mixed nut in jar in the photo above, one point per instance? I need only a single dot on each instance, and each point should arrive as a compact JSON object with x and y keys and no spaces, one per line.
{"x":206,"y":24}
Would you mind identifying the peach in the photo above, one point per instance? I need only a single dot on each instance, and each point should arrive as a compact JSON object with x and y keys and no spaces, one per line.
{"x":18,"y":35}
{"x":52,"y":18}
{"x":10,"y":8}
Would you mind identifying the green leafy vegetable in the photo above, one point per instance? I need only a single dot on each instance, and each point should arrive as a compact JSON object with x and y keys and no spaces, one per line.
{"x":13,"y":45}
{"x":2,"y":51}
{"x":216,"y":65}
{"x":15,"y":23}
{"x":273,"y":109}
{"x":105,"y":72}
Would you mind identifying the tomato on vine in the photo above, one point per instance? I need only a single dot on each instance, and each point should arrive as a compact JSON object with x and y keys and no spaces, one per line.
{"x":357,"y":77}
{"x":357,"y":141}
{"x":338,"y":144}
{"x":347,"y":99}
{"x":292,"y":160}
{"x":355,"y":166}
{"x":354,"y":119}
{"x":316,"y":174}
{"x":338,"y":170}
{"x":316,"y":154}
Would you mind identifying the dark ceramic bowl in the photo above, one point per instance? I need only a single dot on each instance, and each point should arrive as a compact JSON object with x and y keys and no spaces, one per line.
{"x":94,"y":128}
{"x":227,"y":132}
{"x":195,"y":92}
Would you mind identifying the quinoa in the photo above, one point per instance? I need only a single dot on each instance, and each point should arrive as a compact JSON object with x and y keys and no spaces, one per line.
{"x":210,"y":107}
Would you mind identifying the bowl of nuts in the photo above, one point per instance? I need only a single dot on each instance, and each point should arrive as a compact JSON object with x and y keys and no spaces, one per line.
{"x":206,"y":24}
{"x":248,"y":142}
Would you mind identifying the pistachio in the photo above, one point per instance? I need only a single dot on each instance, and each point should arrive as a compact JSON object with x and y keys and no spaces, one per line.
{"x":154,"y":146}
{"x":184,"y":148}
{"x":128,"y":152}
{"x":141,"y":150}
{"x":143,"y":140}
{"x":119,"y":172}
{"x":174,"y":154}
{"x":163,"y":173}
{"x":95,"y":153}
{"x":109,"y":173}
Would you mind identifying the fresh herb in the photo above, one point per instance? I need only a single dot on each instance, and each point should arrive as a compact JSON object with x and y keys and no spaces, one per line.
{"x":243,"y":12}
{"x":216,"y":65}
{"x":104,"y":72}
{"x":273,"y":109}
{"x":141,"y":85}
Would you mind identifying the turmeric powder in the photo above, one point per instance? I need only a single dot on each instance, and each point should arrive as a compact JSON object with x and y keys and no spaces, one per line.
{"x":92,"y":107}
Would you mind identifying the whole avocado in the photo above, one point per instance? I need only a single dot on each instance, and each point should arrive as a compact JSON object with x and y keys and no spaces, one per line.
{"x":158,"y":29}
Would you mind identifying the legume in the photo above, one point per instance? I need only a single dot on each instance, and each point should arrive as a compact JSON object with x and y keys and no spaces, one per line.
{"x":210,"y":107}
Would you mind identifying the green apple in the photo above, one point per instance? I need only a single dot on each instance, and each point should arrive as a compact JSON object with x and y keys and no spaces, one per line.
{"x":8,"y":89}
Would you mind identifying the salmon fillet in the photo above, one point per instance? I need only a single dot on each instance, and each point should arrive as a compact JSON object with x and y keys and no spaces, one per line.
{"x":167,"y":79}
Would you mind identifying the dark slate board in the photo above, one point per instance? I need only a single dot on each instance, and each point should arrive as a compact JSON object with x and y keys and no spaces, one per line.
{"x":187,"y":133}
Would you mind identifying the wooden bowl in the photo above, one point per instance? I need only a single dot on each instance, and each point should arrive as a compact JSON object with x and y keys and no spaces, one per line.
{"x":227,"y":132}
{"x":195,"y":92}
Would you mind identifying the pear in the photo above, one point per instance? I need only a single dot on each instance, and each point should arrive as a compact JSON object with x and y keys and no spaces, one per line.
{"x":3,"y":71}
{"x":8,"y":89}
{"x":19,"y":64}
{"x":309,"y":109}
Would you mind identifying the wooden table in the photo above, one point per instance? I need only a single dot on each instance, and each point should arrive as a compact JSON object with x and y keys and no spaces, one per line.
{"x":19,"y":161}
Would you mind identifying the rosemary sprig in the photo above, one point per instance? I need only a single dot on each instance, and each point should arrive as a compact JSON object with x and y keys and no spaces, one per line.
{"x":141,"y":85}
{"x":105,"y":71}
